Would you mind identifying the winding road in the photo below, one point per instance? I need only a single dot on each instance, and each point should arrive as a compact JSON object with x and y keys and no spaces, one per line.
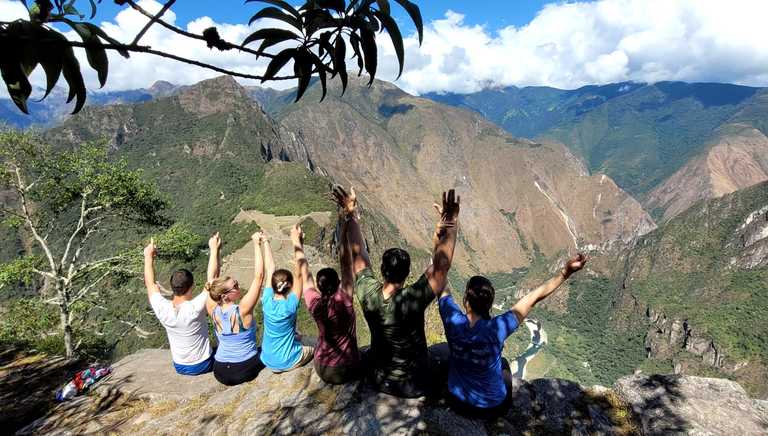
{"x":538,"y":339}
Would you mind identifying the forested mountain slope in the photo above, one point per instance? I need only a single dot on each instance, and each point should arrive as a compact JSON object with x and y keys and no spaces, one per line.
{"x":663,"y":142}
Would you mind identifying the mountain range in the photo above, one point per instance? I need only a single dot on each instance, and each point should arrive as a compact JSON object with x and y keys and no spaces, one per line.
{"x":669,"y":144}
{"x":682,"y":292}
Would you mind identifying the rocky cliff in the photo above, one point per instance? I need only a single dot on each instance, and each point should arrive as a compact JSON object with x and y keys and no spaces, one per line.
{"x":145,"y":396}
{"x":521,"y":197}
{"x":736,"y":160}
{"x":701,"y":280}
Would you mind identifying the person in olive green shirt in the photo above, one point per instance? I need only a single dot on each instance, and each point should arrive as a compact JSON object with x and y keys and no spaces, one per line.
{"x":398,"y":360}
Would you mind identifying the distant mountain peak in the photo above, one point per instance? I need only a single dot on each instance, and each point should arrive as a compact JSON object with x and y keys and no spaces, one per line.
{"x":219,"y":94}
{"x":161,"y":88}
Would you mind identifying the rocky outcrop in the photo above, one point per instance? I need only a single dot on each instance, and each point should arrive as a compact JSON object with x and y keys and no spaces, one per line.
{"x":663,"y":405}
{"x":750,"y":241}
{"x":667,"y":336}
{"x":145,"y":396}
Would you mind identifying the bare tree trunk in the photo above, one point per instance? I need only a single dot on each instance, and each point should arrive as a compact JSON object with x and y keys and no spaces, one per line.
{"x":66,"y":327}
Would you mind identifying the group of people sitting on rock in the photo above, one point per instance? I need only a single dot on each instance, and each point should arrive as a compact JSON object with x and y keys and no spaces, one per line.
{"x":397,"y":362}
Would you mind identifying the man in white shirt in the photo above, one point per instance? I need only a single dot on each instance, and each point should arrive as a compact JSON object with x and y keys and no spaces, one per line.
{"x":184,"y":318}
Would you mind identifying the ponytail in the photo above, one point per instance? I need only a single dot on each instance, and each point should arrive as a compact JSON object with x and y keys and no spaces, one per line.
{"x":282,"y":281}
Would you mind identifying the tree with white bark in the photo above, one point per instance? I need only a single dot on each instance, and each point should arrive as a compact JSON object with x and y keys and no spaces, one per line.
{"x":63,"y":200}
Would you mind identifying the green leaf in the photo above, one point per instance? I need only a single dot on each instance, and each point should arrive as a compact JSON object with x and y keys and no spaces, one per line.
{"x":94,"y":51}
{"x":273,"y":36}
{"x":302,"y":67}
{"x":96,"y":30}
{"x":52,"y":64}
{"x":93,"y":8}
{"x":70,"y":9}
{"x":337,"y":5}
{"x":71,"y":70}
{"x":280,"y":4}
{"x":276,"y":14}
{"x":277,"y":63}
{"x":397,"y":38}
{"x":317,"y":19}
{"x":415,"y":15}
{"x":368,"y":44}
{"x":17,"y":83}
{"x":355,"y":40}
{"x":340,"y":62}
{"x":383,"y":6}
{"x":321,"y":71}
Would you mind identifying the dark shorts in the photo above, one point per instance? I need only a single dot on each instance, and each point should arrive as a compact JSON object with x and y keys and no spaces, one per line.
{"x":486,"y":413}
{"x":338,"y":375}
{"x":232,"y":374}
{"x":429,"y":381}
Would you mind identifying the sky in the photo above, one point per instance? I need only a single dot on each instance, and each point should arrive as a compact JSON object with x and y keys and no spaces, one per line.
{"x":471,"y":45}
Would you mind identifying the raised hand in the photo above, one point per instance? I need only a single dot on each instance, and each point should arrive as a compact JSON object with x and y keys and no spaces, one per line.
{"x":214,"y":243}
{"x":150,"y":251}
{"x":574,"y":264}
{"x":449,"y":211}
{"x":258,"y":237}
{"x":297,"y":235}
{"x":347,"y":202}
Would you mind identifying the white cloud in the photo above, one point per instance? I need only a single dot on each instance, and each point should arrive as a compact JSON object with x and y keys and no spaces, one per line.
{"x":141,"y":70}
{"x":568,"y":45}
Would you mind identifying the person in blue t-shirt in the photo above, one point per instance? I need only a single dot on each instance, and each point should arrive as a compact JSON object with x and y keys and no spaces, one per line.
{"x":281,"y":349}
{"x":479,"y":379}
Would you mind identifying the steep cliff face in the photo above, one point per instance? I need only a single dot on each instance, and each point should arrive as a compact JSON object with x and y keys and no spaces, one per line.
{"x":702,"y":281}
{"x":520,"y":196}
{"x":738,"y":159}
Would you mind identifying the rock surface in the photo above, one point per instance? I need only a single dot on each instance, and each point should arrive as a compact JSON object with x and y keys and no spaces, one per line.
{"x":145,"y":396}
{"x":691,"y":405}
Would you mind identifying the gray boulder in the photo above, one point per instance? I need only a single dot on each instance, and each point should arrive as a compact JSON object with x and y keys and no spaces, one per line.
{"x":675,"y":404}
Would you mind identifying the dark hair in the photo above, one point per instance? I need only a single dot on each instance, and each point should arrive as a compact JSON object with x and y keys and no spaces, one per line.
{"x":181,"y":281}
{"x":395,"y":265}
{"x":282,"y":281}
{"x":480,"y":295}
{"x":327,"y":281}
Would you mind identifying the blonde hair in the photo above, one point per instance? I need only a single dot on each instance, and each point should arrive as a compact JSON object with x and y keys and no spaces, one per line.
{"x":217,"y":288}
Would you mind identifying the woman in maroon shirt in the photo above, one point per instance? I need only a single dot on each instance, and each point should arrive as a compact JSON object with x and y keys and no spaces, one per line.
{"x":337,"y":358}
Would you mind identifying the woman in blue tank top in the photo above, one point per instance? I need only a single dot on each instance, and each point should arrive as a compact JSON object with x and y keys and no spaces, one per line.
{"x":237,"y":357}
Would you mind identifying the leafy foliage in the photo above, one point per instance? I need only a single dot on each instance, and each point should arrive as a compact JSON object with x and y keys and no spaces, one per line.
{"x":319,"y":30}
{"x":20,"y":270}
{"x":67,"y":199}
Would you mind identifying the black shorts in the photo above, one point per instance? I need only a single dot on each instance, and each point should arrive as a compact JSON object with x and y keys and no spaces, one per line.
{"x":338,"y":375}
{"x":232,"y":374}
{"x":428,"y":380}
{"x":489,"y":413}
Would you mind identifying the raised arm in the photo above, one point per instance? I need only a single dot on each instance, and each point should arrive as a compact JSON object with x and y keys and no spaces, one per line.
{"x":150,"y":251}
{"x":214,"y":257}
{"x":251,"y":299}
{"x":345,"y":258}
{"x":444,"y":241}
{"x":359,"y":253}
{"x":524,"y":306}
{"x":269,"y":261}
{"x":304,"y":276}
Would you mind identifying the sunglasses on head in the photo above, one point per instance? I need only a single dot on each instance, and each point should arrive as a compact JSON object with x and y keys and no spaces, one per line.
{"x":236,"y":287}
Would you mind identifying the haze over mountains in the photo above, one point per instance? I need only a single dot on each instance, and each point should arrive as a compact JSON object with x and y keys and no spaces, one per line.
{"x":602,"y":161}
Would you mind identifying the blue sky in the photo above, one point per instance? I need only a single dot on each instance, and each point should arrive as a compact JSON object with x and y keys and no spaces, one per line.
{"x":473,"y":44}
{"x":492,"y":13}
